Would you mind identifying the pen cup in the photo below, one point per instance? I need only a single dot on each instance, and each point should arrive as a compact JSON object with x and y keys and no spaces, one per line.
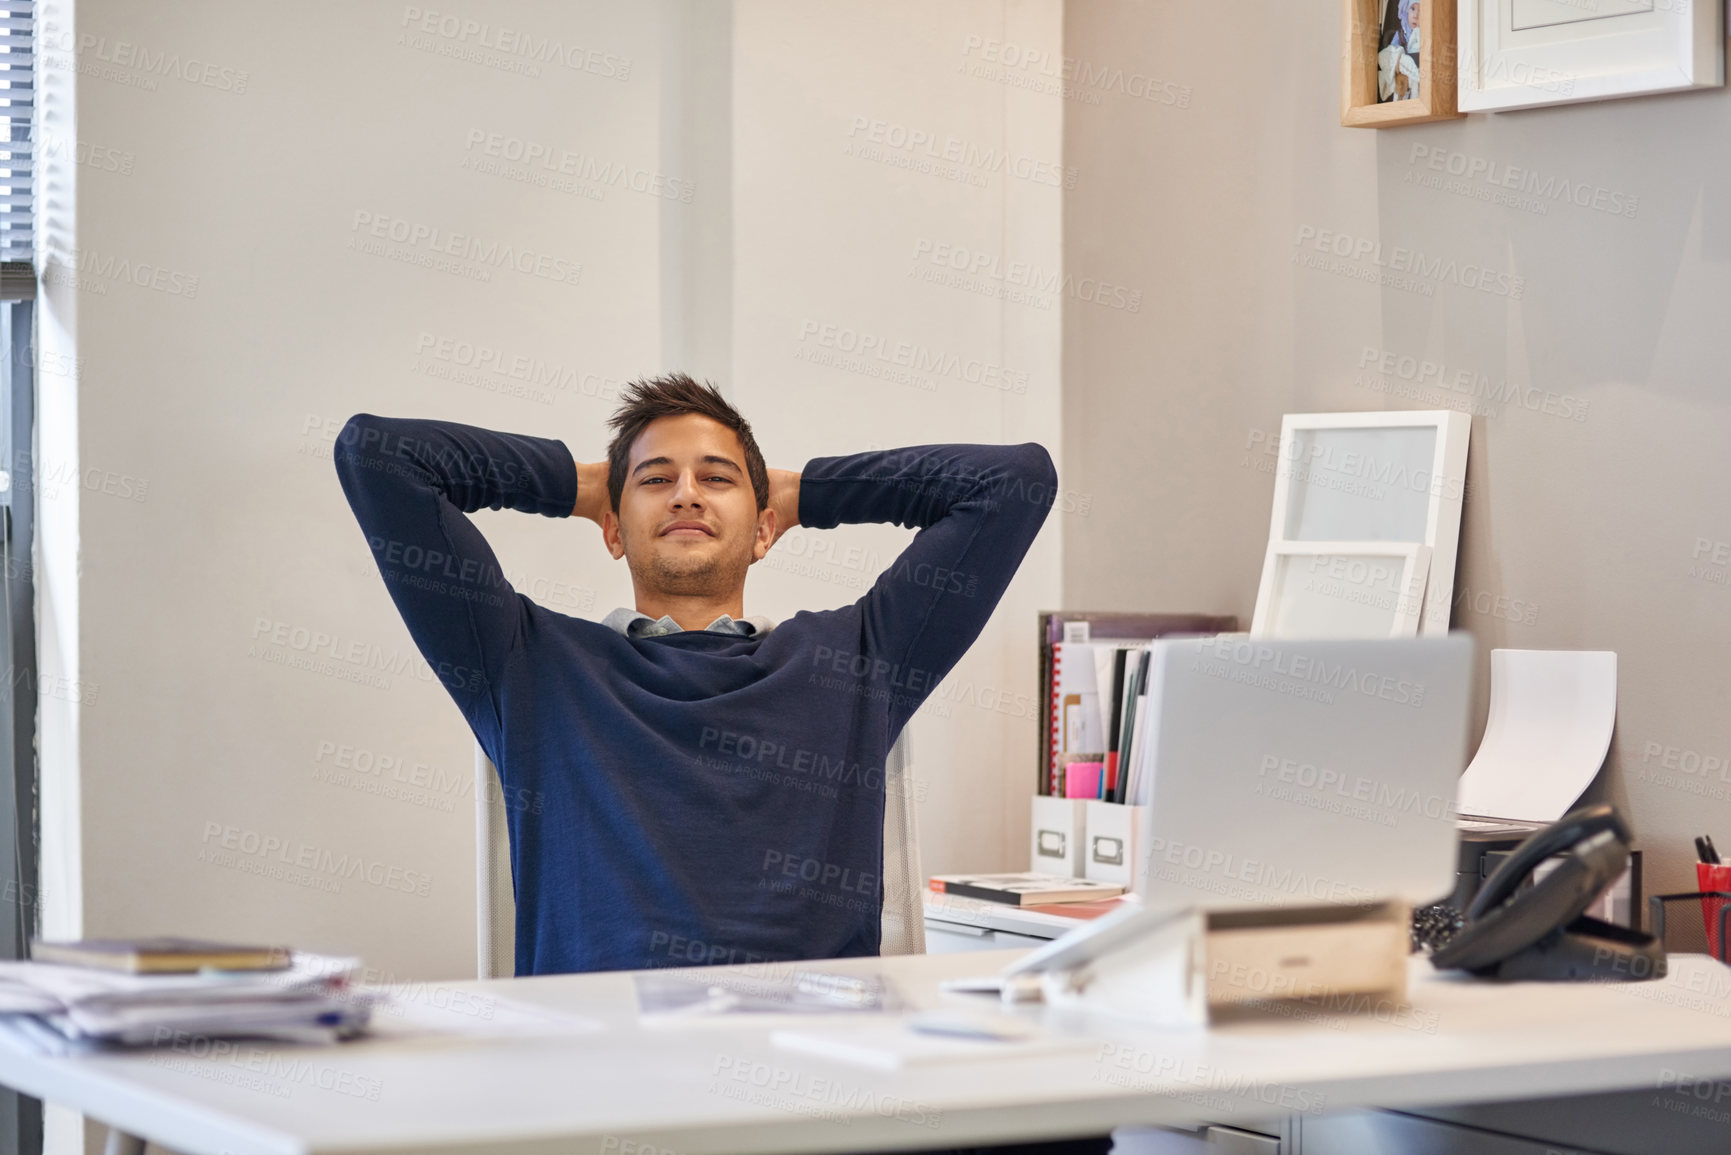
{"x":1712,"y":876}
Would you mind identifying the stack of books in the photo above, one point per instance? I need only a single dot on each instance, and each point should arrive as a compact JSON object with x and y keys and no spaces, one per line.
{"x":1024,"y":889}
{"x":83,"y":995}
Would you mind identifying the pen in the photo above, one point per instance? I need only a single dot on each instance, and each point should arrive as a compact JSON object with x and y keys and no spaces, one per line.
{"x":1701,"y":850}
{"x":1712,"y":851}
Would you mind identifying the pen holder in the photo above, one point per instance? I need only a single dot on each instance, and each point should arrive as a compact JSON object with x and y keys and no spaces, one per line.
{"x":1712,"y":876}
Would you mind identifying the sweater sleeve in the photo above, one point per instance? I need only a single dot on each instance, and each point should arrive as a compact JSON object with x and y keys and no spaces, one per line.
{"x":978,"y":509}
{"x":410,"y":484}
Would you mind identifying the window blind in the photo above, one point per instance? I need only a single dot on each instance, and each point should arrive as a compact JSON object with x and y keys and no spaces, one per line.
{"x":17,"y":101}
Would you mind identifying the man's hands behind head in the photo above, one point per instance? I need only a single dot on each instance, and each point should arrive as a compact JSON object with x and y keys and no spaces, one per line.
{"x":784,"y":500}
{"x":592,"y":500}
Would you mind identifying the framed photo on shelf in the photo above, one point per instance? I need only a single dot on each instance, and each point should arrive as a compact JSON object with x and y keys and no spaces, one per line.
{"x":1397,"y":62}
{"x":1532,"y":53}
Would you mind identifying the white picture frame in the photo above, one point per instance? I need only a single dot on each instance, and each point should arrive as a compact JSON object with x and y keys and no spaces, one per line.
{"x":1536,"y":53}
{"x":1341,"y":589}
{"x":1389,"y":476}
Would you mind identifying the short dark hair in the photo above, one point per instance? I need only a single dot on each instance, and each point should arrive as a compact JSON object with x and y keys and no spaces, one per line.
{"x":671,"y":396}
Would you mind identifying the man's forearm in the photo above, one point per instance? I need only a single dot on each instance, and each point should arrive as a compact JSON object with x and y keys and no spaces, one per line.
{"x":408,"y":482}
{"x":381,"y":458}
{"x":977,"y":508}
{"x":921,"y":485}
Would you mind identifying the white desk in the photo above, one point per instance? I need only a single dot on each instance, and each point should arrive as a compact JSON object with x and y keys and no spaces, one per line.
{"x":674,"y":1091}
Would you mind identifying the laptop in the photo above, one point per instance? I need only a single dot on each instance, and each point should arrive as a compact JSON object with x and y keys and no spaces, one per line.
{"x":1292,"y":773}
{"x":1303,"y":773}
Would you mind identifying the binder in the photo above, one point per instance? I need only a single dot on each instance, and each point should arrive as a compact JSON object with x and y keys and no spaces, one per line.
{"x":1115,"y":723}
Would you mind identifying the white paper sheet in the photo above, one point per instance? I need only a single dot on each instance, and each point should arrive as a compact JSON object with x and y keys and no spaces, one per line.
{"x":418,"y":1011}
{"x":891,"y":1046}
{"x":1551,"y":716}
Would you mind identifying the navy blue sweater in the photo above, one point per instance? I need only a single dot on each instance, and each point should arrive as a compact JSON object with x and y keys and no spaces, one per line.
{"x":697,"y":797}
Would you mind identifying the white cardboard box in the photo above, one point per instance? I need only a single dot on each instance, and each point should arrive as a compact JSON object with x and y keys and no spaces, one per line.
{"x":1056,"y":843}
{"x":1112,"y":842}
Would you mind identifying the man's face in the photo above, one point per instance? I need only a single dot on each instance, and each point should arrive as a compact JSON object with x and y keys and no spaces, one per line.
{"x":688,"y":522}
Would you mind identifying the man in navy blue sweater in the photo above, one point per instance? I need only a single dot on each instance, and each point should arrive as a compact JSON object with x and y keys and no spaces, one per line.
{"x":706,"y":789}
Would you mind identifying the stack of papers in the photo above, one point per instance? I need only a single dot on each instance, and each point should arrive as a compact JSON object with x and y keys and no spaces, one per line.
{"x":45,"y":1004}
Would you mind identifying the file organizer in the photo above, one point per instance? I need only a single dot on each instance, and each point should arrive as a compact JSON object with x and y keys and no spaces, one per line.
{"x":1112,"y":843}
{"x":1055,"y":846}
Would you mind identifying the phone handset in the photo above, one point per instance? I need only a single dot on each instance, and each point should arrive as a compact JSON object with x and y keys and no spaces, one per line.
{"x":1553,"y":840}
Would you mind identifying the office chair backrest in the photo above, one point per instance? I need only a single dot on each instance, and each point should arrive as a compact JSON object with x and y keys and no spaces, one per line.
{"x":904,"y":913}
{"x":903,"y":927}
{"x":495,"y":896}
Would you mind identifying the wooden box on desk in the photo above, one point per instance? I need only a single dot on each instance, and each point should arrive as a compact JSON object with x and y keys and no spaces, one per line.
{"x":1197,"y":964}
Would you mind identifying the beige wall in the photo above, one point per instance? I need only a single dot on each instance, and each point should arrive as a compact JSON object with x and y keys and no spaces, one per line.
{"x":1592,"y":533}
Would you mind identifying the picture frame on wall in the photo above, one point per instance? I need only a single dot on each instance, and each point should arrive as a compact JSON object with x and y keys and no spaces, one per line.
{"x":1398,"y":62}
{"x":1536,"y":53}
